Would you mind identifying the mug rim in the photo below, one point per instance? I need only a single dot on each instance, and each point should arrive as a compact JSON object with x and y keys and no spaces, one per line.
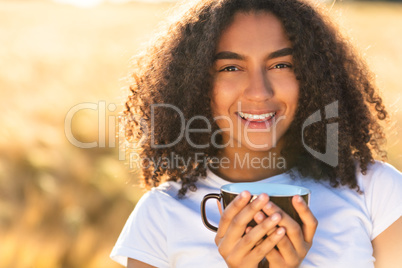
{"x":296,"y":190}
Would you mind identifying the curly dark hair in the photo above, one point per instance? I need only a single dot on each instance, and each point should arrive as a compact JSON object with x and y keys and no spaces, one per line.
{"x":175,"y":70}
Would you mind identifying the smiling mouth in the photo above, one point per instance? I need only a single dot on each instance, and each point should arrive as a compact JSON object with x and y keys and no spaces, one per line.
{"x":257,"y":117}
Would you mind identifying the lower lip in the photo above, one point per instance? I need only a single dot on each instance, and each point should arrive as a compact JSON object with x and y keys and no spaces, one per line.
{"x":258,"y":124}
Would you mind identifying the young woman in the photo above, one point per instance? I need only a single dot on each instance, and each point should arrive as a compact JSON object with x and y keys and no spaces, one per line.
{"x":259,"y":91}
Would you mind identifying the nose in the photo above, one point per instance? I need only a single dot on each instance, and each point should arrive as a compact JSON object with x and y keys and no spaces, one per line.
{"x":259,"y":87}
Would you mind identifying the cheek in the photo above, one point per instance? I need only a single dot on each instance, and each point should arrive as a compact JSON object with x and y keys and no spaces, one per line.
{"x":293,"y":103}
{"x":289,"y":92}
{"x":223,"y":97}
{"x":295,"y":96}
{"x":216,"y":105}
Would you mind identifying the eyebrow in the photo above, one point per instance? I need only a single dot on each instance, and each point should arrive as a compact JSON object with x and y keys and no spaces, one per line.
{"x":228,"y":55}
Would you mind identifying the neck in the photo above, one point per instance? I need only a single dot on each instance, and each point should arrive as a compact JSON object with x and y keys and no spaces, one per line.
{"x":244,"y":165}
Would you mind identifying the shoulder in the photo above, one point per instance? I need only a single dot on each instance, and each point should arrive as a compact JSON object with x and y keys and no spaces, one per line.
{"x":144,"y":236}
{"x":167,"y":194}
{"x":160,"y":195}
{"x":379,"y":175}
{"x":151,"y":212}
{"x":379,"y":167}
{"x":382,"y":188}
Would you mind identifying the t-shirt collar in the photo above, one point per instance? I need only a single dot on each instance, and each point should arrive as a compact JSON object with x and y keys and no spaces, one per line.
{"x":216,"y":181}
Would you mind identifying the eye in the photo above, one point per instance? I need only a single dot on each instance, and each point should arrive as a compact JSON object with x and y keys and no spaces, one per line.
{"x":281,"y":66}
{"x":229,"y":69}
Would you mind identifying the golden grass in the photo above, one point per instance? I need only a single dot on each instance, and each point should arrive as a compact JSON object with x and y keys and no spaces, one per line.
{"x":61,"y":206}
{"x":374,"y":28}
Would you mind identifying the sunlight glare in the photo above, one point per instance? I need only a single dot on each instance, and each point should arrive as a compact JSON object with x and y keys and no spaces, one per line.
{"x":81,"y":3}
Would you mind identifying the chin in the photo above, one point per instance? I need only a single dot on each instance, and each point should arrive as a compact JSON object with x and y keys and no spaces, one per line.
{"x":261,"y":144}
{"x":259,"y":147}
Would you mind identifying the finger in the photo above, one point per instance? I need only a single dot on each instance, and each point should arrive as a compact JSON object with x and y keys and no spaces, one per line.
{"x":255,"y":237}
{"x":273,"y":256}
{"x":310,"y":223}
{"x":230,"y":212}
{"x":259,"y":217}
{"x":239,"y":223}
{"x":236,"y":226}
{"x":293,"y":229}
{"x":289,"y":253}
{"x":219,"y":207}
{"x":248,"y":229}
{"x":268,"y":245}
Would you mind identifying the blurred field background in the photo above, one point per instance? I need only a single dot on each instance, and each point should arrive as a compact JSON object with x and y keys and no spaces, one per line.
{"x":62,"y":206}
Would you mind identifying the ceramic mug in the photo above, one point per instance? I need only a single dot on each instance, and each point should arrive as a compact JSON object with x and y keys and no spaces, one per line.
{"x":280,"y":194}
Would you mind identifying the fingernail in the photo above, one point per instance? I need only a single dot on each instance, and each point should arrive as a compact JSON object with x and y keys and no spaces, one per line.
{"x":259,"y":216}
{"x":300,"y":199}
{"x":280,"y":231}
{"x":268,"y":206}
{"x":275,"y":217}
{"x":243,"y":194}
{"x":261,"y":197}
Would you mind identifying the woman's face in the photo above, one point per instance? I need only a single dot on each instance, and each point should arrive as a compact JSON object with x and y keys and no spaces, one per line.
{"x":255,"y":91}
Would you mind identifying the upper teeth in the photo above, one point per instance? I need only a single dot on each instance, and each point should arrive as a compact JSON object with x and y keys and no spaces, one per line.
{"x":256,"y":116}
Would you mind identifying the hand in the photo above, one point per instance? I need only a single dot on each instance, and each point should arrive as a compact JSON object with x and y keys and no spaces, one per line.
{"x":293,"y":247}
{"x":240,"y":249}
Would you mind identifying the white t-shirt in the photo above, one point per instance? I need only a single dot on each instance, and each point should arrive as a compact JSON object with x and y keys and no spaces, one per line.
{"x":165,"y":231}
